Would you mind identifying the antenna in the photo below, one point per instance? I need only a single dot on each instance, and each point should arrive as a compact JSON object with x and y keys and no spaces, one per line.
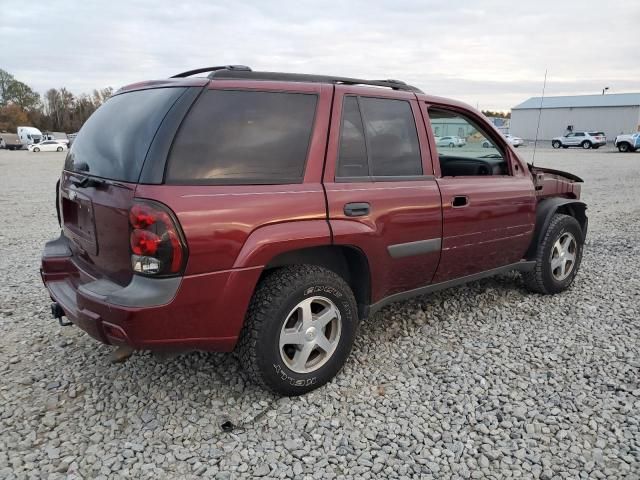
{"x":535,"y":142}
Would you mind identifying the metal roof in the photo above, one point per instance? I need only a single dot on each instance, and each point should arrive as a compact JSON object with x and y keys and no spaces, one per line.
{"x":608,"y":100}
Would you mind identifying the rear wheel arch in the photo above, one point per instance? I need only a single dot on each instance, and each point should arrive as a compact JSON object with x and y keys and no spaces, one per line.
{"x":545,"y":211}
{"x":347,"y":261}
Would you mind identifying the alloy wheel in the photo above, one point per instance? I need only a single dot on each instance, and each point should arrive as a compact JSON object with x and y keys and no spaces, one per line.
{"x":310,"y":334}
{"x":563,"y":256}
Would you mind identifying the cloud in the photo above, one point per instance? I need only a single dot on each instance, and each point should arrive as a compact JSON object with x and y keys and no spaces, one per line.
{"x":490,"y":53}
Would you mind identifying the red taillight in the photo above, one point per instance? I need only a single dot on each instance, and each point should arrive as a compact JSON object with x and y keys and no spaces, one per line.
{"x":141,"y":216}
{"x":144,"y":242}
{"x":156,"y":242}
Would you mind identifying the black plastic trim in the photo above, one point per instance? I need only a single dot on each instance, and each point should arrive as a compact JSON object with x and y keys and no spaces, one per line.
{"x":226,"y":74}
{"x":522,"y":266}
{"x":545,"y":210}
{"x":141,"y":291}
{"x":195,"y":71}
{"x":410,"y":249}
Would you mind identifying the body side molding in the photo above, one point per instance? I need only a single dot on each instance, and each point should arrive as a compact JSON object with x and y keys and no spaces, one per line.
{"x":410,"y":249}
{"x":523,"y":266}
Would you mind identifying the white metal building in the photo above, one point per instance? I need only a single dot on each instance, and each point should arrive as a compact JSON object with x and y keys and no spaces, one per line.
{"x":612,"y":114}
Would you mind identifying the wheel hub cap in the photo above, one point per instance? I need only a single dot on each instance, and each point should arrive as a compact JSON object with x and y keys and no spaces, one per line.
{"x":310,"y":334}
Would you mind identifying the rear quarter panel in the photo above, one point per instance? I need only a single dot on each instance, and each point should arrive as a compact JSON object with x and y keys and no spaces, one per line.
{"x":219,"y":220}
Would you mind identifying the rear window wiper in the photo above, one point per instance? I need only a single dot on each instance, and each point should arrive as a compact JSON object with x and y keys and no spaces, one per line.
{"x":86,"y":181}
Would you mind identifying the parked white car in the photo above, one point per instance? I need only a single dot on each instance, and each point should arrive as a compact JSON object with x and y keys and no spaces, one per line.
{"x":450,"y":141}
{"x":583,"y":139}
{"x":47,"y":146}
{"x":628,"y":143}
{"x":515,"y":141}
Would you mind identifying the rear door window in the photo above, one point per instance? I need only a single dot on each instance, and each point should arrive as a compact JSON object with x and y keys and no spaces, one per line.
{"x":378,"y":139}
{"x":392,"y":137}
{"x":114,"y":141}
{"x":243,"y":137}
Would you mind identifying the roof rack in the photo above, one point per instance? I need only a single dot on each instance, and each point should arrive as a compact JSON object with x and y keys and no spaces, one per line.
{"x":243,"y":72}
{"x":301,"y":77}
{"x":188,"y":73}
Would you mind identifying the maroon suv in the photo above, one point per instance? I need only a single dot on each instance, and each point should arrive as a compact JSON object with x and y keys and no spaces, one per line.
{"x":271,"y":213}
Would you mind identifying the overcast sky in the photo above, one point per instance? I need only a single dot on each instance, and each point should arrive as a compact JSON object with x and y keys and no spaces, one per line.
{"x":491,"y":54}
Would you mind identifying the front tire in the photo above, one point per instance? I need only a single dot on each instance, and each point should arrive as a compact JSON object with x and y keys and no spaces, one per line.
{"x":59,"y":149}
{"x":36,"y":149}
{"x":623,"y":147}
{"x":586,"y":145}
{"x":558,"y":256}
{"x":556,"y":144}
{"x":299,"y":329}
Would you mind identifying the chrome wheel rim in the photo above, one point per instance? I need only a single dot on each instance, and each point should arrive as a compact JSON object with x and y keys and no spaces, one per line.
{"x":563,"y":256}
{"x":310,"y":334}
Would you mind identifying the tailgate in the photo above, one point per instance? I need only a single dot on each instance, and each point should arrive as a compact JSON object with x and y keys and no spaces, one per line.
{"x":95,"y":218}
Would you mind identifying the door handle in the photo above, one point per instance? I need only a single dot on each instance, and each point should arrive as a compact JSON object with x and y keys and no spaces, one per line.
{"x":357,"y":209}
{"x":460,"y":201}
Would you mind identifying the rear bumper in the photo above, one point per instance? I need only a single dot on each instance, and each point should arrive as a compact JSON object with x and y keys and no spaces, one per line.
{"x":203,"y":312}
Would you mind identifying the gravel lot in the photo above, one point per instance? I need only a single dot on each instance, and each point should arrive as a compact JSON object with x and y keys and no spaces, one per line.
{"x":480,"y":381}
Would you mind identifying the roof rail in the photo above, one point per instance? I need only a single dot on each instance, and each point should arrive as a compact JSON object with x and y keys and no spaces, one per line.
{"x":247,"y":74}
{"x":188,"y":73}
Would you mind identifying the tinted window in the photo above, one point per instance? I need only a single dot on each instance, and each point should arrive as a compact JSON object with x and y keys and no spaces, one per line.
{"x":352,"y":159}
{"x":472,"y":152}
{"x":115,"y":139}
{"x":244,"y":137}
{"x":579,"y":134}
{"x":392,"y":137}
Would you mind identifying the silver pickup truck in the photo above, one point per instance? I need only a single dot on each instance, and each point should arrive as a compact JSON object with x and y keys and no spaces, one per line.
{"x":628,"y":142}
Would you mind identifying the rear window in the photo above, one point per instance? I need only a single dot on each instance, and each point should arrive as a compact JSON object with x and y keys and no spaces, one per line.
{"x":247,"y":137}
{"x":114,"y":141}
{"x":597,"y":134}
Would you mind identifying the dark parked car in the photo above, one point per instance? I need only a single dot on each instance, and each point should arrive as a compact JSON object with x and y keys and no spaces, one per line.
{"x":272,"y":213}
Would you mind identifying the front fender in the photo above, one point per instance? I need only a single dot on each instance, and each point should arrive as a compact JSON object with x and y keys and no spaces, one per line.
{"x":546,"y":209}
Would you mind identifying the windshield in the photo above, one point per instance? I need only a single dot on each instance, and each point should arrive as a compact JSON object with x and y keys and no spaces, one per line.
{"x":114,"y":141}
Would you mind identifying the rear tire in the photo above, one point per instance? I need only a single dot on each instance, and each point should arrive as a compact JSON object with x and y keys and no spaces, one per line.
{"x":586,"y":145}
{"x":558,"y":256}
{"x":294,"y":311}
{"x":556,"y":144}
{"x":59,"y":149}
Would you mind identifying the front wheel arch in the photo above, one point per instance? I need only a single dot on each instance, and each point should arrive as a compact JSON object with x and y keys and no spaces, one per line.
{"x":545,"y":211}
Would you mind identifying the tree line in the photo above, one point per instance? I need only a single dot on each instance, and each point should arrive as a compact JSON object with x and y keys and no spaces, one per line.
{"x":491,"y":113}
{"x":57,"y":111}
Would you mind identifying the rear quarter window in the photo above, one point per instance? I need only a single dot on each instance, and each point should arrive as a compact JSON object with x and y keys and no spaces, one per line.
{"x":243,"y":137}
{"x":114,"y":141}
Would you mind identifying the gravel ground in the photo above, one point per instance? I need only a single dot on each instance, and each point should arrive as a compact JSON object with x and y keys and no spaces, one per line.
{"x":480,"y":381}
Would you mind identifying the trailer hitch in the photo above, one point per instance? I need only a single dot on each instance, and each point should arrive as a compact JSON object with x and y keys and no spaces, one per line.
{"x":57,"y":312}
